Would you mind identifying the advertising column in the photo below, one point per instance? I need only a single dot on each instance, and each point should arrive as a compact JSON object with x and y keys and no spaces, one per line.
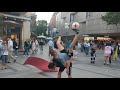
{"x":25,"y":31}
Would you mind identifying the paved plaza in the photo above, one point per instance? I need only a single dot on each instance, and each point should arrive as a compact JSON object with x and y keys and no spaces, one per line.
{"x":82,"y":68}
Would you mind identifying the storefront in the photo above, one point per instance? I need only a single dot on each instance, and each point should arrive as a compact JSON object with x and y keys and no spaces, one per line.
{"x":16,"y":27}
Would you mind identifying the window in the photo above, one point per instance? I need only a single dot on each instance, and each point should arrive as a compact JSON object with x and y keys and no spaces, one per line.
{"x":87,"y":14}
{"x":71,"y":17}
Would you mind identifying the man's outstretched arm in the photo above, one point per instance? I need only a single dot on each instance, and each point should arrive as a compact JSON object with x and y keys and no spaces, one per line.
{"x":74,"y":40}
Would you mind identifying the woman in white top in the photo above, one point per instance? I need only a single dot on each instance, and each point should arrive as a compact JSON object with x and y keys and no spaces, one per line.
{"x":4,"y":55}
{"x":79,"y":47}
{"x":107,"y":53}
{"x":33,"y":46}
{"x":37,"y":45}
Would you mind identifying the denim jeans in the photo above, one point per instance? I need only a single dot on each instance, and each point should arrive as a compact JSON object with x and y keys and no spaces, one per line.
{"x":25,"y":50}
{"x":15,"y":52}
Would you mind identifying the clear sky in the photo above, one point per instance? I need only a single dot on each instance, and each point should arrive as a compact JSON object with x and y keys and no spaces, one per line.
{"x":44,"y":16}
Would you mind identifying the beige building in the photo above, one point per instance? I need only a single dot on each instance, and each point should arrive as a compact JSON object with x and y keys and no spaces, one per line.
{"x":91,"y":24}
{"x":17,"y":25}
{"x":52,"y":24}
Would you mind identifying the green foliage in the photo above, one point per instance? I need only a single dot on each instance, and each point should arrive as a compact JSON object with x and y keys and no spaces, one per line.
{"x":40,"y":27}
{"x":112,"y":18}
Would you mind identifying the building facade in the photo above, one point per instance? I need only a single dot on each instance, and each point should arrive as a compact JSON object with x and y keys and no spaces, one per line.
{"x":52,"y":25}
{"x":17,"y":25}
{"x":91,"y":24}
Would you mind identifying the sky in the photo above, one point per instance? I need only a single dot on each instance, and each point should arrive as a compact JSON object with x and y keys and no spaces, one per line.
{"x":44,"y":16}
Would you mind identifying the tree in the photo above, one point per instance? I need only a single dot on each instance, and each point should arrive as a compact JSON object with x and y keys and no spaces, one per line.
{"x":40,"y":27}
{"x":112,"y":18}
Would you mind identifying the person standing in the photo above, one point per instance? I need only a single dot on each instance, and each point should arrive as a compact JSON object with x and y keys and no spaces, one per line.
{"x":119,"y":51}
{"x":29,"y":44}
{"x":68,"y":43}
{"x":0,"y":48}
{"x":10,"y":50}
{"x":51,"y":45}
{"x":115,"y":55}
{"x":87,"y":46}
{"x":41,"y":45}
{"x":111,"y":55}
{"x":37,"y":45}
{"x":82,"y":47}
{"x":26,"y":47}
{"x":33,"y":46}
{"x":15,"y":47}
{"x":79,"y":47}
{"x":107,"y":53}
{"x":93,"y":54}
{"x":4,"y":55}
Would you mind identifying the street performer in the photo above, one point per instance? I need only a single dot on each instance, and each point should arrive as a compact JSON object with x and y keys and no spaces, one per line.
{"x":64,"y":58}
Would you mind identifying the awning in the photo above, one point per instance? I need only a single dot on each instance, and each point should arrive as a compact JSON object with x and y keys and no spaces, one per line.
{"x":49,"y":38}
{"x":11,"y":22}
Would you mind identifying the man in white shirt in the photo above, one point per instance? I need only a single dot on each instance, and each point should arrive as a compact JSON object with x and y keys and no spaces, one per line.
{"x":87,"y":47}
{"x":10,"y":50}
{"x":50,"y":43}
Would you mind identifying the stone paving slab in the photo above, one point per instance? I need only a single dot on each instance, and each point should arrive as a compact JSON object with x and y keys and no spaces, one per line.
{"x":99,"y":70}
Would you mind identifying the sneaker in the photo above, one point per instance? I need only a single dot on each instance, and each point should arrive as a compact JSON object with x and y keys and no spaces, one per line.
{"x":8,"y":62}
{"x":104,"y":63}
{"x":28,"y":55}
{"x":91,"y":62}
{"x":6,"y":68}
{"x":16,"y":56}
{"x":107,"y":63}
{"x":110,"y":61}
{"x":14,"y":60}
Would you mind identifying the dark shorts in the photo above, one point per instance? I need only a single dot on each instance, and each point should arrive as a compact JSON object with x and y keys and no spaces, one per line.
{"x":4,"y":59}
{"x":62,"y":68}
{"x":63,"y":51}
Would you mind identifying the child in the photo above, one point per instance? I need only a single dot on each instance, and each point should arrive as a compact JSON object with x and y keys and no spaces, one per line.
{"x":93,"y":55}
{"x":4,"y":55}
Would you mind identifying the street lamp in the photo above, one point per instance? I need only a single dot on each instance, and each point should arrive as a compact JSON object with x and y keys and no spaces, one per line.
{"x":66,"y":27}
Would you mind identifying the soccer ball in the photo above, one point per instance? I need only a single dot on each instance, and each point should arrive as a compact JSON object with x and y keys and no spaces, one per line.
{"x":75,"y":26}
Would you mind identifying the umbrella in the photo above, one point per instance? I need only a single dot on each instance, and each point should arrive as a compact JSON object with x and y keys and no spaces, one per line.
{"x":49,"y":38}
{"x":41,"y":36}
